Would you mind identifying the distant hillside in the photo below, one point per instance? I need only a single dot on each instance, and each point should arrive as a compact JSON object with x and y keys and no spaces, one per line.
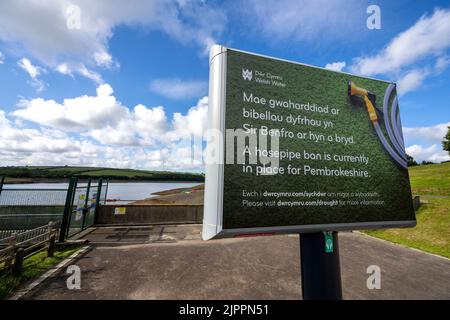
{"x":31,"y":173}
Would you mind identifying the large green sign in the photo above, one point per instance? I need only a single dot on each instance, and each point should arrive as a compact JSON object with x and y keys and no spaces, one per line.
{"x":299,"y":148}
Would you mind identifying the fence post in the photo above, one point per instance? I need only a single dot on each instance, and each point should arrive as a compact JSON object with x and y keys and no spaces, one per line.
{"x":97,"y":199}
{"x":67,"y":209}
{"x":2,"y":180}
{"x":18,"y":262}
{"x":12,"y":244}
{"x":51,"y":240}
{"x":50,"y":228}
{"x":86,"y":201}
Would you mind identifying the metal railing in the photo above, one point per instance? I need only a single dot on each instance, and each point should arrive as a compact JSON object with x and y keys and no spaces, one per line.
{"x":32,"y":197}
{"x":26,"y":207}
{"x":20,"y":246}
{"x":21,"y":222}
{"x":2,"y":180}
{"x":72,"y":207}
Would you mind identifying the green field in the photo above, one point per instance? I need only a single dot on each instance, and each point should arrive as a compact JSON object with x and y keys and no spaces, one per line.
{"x":63,"y":172}
{"x":432,"y":233}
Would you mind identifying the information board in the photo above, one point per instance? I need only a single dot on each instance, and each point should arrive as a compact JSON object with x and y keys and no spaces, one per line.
{"x":297,"y":148}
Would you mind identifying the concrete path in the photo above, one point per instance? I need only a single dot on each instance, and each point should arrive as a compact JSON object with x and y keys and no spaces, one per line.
{"x":171,"y":262}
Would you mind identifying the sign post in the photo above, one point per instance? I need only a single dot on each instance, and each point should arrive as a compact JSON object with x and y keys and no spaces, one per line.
{"x":320,"y":268}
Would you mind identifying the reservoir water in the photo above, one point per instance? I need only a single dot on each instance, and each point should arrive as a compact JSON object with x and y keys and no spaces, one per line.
{"x":121,"y":192}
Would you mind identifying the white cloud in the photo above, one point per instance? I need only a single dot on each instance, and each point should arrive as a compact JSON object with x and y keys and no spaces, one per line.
{"x":25,"y":146}
{"x":64,"y":69}
{"x":441,"y":64}
{"x":427,"y":142}
{"x":179,"y":89}
{"x":411,"y":80}
{"x":34,"y":72}
{"x":103,"y":58}
{"x":75,"y":114}
{"x":432,"y":134}
{"x":428,"y":37}
{"x":432,"y":153}
{"x":109,"y":121}
{"x":194,"y":122}
{"x":113,"y":134}
{"x":41,"y":27}
{"x":414,"y":78}
{"x":426,"y":40}
{"x":94,"y":76}
{"x":69,"y":69}
{"x":2,"y":58}
{"x":303,"y":19}
{"x":22,"y":140}
{"x":336,"y":66}
{"x":142,"y":126}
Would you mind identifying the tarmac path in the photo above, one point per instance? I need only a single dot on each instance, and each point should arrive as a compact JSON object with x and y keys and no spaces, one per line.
{"x":172,"y":262}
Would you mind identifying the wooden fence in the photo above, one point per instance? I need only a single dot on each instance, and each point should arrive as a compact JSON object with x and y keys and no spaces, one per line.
{"x":19,"y":246}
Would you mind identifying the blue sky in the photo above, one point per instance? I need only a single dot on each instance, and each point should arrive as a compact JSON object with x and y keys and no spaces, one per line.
{"x":124,"y":85}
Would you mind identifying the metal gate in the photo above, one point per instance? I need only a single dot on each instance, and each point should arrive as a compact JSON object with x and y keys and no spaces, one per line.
{"x":81,"y":206}
{"x":72,"y":209}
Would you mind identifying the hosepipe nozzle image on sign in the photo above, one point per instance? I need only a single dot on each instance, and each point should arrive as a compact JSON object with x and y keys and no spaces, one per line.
{"x":392,"y":123}
{"x":293,"y":148}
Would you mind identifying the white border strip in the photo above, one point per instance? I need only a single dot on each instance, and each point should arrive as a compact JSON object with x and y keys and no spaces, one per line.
{"x":22,"y":292}
{"x":213,"y":198}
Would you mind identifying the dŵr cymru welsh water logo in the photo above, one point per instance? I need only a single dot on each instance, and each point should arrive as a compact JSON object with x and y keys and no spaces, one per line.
{"x":247,"y":74}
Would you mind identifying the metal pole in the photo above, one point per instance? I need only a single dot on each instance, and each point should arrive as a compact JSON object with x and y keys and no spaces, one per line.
{"x":67,"y":209}
{"x":321,"y":272}
{"x":2,"y":180}
{"x":86,"y":201}
{"x":97,"y":199}
{"x":106,"y":192}
{"x":71,"y":204}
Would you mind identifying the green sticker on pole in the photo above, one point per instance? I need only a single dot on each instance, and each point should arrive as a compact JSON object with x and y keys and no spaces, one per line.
{"x":328,"y":242}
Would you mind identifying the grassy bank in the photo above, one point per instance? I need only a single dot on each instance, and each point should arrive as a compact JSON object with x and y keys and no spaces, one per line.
{"x":33,"y":267}
{"x":431,"y":179}
{"x":192,"y":195}
{"x":432,"y":233}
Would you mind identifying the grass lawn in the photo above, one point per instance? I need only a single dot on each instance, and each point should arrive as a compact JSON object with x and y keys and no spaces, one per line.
{"x":432,"y":233}
{"x":32,"y":268}
{"x":431,"y":179}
